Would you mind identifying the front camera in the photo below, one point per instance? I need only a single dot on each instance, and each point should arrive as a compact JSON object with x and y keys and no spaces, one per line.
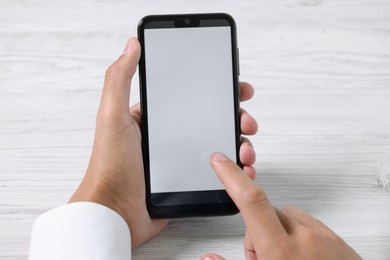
{"x":186,"y":21}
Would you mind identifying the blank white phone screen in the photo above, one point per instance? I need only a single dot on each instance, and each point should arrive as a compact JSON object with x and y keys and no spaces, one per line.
{"x":190,"y":105}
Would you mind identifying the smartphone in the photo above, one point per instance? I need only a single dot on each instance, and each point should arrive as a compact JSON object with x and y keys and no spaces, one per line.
{"x":189,"y":93}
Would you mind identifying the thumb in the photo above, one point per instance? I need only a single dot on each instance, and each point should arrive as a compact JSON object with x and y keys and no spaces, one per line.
{"x":211,"y":257}
{"x":116,"y":91}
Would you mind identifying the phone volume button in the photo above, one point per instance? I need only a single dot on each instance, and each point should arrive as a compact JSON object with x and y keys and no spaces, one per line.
{"x":238,"y":61}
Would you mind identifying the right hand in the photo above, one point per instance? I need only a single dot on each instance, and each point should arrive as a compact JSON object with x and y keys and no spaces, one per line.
{"x":272,"y":233}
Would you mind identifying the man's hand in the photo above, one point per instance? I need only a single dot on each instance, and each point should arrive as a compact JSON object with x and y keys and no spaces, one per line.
{"x":115,"y":175}
{"x":272,"y":233}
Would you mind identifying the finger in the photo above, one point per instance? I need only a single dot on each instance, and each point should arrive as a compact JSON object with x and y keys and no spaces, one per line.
{"x":247,"y":91}
{"x":249,"y":249}
{"x":247,"y":123}
{"x":248,"y":157}
{"x":211,"y":257}
{"x":257,"y":212}
{"x":250,"y":171}
{"x":116,"y":90}
{"x":247,"y":154}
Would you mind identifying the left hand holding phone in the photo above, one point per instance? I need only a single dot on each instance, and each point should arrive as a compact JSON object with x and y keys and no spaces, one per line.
{"x":115,"y":175}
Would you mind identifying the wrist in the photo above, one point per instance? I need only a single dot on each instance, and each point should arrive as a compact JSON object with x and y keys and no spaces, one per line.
{"x":92,"y":193}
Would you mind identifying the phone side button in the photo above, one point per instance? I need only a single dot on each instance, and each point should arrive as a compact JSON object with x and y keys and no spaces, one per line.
{"x":238,"y":61}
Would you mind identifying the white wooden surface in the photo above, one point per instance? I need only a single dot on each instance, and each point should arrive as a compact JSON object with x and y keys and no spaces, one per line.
{"x":321,"y":70}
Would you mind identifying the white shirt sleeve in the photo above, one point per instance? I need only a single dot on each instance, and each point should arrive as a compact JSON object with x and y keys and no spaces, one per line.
{"x":78,"y":231}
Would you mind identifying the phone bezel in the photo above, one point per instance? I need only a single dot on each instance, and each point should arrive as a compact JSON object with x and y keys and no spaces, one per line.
{"x":226,"y":206}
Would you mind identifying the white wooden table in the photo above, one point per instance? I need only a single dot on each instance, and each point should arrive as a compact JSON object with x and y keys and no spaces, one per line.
{"x":321,"y":70}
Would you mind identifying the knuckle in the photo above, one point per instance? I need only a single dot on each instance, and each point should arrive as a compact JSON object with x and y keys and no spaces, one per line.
{"x":115,"y":70}
{"x":111,"y":72}
{"x":309,"y":235}
{"x":255,"y":195}
{"x":290,"y":209}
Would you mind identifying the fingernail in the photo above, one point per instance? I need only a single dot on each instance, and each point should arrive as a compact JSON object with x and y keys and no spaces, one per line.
{"x":128,"y":47}
{"x":220,"y":157}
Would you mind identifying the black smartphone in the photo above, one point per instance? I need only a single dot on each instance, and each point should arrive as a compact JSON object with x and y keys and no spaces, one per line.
{"x":189,"y":93}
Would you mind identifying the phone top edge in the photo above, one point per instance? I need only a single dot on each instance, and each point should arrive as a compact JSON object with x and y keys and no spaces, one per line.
{"x":159,"y":16}
{"x":175,"y":17}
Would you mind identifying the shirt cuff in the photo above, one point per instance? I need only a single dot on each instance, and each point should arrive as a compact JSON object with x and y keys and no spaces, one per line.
{"x":80,"y":230}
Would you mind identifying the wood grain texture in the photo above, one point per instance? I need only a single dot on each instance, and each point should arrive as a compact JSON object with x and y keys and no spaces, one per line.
{"x":321,"y":70}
